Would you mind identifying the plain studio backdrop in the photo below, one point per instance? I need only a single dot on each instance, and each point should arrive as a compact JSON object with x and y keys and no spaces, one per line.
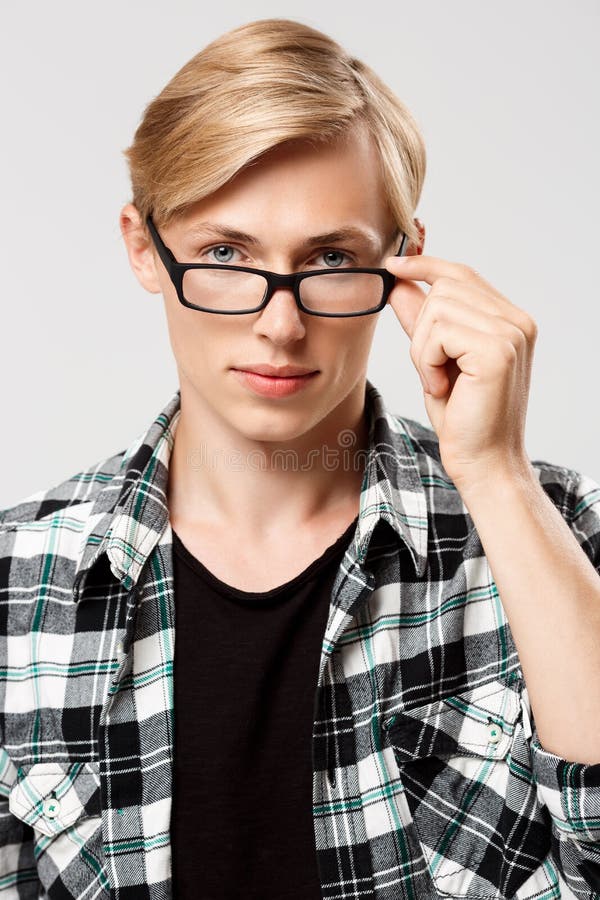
{"x":506,"y":95}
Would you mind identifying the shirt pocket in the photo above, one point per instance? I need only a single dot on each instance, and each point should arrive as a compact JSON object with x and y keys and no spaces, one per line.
{"x":52,"y":796}
{"x":61,"y":802}
{"x":465,"y":765}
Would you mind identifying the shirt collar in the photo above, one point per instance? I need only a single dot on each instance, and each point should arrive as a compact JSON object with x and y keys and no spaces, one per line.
{"x":130,"y":513}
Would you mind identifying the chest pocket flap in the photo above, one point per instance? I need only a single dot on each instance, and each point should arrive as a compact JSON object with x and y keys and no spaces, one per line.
{"x":465,"y":765}
{"x":477,"y":722}
{"x":52,"y":796}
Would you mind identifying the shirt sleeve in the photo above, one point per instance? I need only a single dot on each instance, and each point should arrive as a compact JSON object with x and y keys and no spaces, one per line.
{"x":570,"y":790}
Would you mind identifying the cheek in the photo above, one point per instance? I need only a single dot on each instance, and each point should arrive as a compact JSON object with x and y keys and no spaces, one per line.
{"x":340,"y":345}
{"x":194,"y":337}
{"x":357,"y":335}
{"x":205,"y":346}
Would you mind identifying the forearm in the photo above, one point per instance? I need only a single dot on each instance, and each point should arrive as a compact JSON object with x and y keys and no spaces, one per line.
{"x":550,"y":592}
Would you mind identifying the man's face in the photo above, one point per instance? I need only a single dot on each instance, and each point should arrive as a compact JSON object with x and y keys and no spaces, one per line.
{"x":290,"y":194}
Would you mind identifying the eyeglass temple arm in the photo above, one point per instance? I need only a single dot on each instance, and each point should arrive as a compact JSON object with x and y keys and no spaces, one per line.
{"x":163,"y":251}
{"x":402,"y":246}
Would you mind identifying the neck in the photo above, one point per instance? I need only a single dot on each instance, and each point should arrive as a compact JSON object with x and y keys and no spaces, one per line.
{"x":225,"y":478}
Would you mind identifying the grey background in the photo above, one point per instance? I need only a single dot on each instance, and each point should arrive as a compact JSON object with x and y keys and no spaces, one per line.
{"x":506,"y":95}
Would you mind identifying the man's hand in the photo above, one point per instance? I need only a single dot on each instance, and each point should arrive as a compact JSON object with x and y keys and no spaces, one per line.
{"x":473,"y":350}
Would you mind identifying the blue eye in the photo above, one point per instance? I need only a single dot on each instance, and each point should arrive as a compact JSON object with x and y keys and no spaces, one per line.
{"x":329,"y":253}
{"x":221,"y":253}
{"x":226,"y":247}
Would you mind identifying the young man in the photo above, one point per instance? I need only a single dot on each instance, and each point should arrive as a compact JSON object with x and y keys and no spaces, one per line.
{"x":289,"y":644}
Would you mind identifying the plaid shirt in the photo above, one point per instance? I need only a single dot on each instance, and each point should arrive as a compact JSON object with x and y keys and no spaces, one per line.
{"x":429,"y":779}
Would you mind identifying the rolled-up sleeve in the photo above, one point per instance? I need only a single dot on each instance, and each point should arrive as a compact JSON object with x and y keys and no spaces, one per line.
{"x":571,"y":792}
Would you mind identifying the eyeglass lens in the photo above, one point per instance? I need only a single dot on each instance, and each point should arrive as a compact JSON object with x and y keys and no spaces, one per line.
{"x":332,"y":292}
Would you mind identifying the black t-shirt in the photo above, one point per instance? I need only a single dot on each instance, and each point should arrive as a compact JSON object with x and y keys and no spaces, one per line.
{"x":246,"y":667}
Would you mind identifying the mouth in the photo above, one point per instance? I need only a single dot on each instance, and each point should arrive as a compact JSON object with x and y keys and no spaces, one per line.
{"x":274,"y":385}
{"x":276,"y":371}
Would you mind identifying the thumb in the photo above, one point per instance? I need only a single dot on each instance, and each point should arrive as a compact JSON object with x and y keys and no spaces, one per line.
{"x":406,"y":299}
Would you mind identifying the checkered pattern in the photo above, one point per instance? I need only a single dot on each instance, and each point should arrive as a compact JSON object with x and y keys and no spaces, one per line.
{"x":429,"y":778}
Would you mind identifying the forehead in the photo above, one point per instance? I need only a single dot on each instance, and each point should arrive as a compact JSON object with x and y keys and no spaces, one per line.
{"x":299,"y":189}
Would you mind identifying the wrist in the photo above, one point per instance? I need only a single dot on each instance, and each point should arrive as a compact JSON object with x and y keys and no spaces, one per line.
{"x":496,"y":482}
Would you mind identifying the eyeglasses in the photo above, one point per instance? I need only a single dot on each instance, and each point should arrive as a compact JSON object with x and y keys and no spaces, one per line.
{"x":236,"y":290}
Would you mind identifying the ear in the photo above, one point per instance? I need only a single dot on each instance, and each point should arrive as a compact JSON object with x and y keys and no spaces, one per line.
{"x":417,"y":249}
{"x":140,"y":250}
{"x":421,"y":228}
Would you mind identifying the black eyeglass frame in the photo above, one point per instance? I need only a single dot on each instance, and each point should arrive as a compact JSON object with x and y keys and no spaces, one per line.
{"x":176,"y":271}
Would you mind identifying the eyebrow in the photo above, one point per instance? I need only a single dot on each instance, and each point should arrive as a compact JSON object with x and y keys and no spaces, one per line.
{"x":348,"y":233}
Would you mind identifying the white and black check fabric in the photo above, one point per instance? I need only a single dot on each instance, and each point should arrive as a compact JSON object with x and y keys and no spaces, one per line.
{"x":429,"y":779}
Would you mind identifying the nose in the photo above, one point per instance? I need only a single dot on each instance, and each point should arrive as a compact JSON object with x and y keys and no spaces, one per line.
{"x":281,"y":320}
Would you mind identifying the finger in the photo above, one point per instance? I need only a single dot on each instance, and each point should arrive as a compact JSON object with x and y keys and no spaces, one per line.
{"x":429,"y":268}
{"x":450,"y":309}
{"x":477,"y":353}
{"x":411,"y":303}
{"x":447,"y":290}
{"x":479,"y":298}
{"x":444,"y":309}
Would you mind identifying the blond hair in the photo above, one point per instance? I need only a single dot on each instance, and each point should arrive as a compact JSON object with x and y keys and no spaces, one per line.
{"x":251,"y":89}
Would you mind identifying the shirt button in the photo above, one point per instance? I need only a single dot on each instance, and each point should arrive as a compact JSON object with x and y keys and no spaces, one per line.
{"x":51,"y":808}
{"x":120,"y":648}
{"x":494,"y":732}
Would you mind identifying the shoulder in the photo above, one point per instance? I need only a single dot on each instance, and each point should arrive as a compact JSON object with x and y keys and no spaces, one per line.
{"x":564,"y":482}
{"x":577,"y":496}
{"x":69,"y":499}
{"x":43,"y":536}
{"x":574,"y":493}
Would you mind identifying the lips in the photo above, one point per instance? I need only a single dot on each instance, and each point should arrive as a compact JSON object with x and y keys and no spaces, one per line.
{"x":276,"y":371}
{"x":273,"y":386}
